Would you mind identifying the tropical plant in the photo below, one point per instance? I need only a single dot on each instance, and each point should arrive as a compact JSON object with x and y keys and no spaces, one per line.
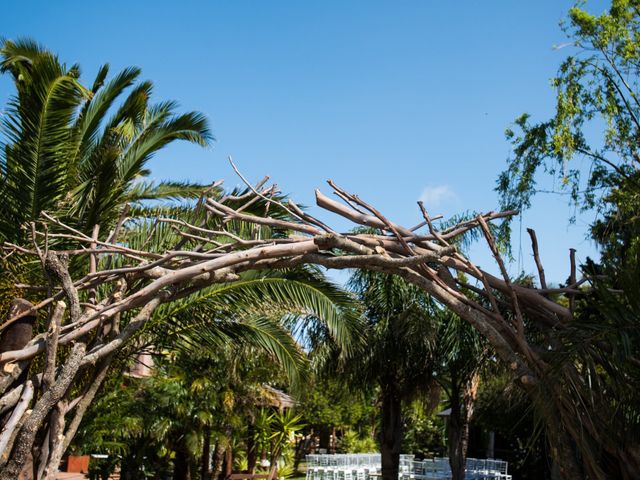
{"x":590,"y":148}
{"x":333,"y":412}
{"x":283,"y":425}
{"x":398,"y":354}
{"x":76,"y":152}
{"x":463,"y":354}
{"x":424,"y":434}
{"x":250,"y":314}
{"x":79,"y":155}
{"x":352,"y":442}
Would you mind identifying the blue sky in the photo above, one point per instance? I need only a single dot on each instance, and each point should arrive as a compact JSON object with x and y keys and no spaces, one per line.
{"x":395,"y":101}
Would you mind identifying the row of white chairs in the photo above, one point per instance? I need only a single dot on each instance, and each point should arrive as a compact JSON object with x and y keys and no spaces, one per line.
{"x":352,"y":466}
{"x":487,"y":468}
{"x":344,"y":460}
{"x":350,"y":459}
{"x":368,"y":467}
{"x":342,"y":473}
{"x":475,"y":469}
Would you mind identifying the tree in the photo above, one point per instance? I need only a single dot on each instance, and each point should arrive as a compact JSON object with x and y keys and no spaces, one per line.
{"x":262,"y":310}
{"x":330,"y":408}
{"x":129,"y":295}
{"x":462,"y":354}
{"x":65,"y":156}
{"x":76,"y":153}
{"x":283,"y":426}
{"x":397,"y":355}
{"x":213,"y":355}
{"x":519,"y":437}
{"x":591,"y":146}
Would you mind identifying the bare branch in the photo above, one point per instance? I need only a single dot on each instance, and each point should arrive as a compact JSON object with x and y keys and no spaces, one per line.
{"x":536,"y":257}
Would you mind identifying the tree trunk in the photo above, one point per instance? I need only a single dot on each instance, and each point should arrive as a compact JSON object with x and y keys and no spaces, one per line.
{"x":182,"y":464}
{"x":227,"y":468}
{"x":218,"y":455}
{"x":462,"y":404}
{"x":325,"y":436}
{"x":301,"y":450}
{"x":390,"y":432}
{"x":227,"y":462}
{"x":252,"y":454}
{"x":128,"y":467}
{"x":205,"y":460}
{"x":563,"y":452}
{"x":27,"y":434}
{"x":455,"y":437}
{"x":333,"y":442}
{"x":15,"y":337}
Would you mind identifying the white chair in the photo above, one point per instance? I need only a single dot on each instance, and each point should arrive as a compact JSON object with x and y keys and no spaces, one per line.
{"x":502,"y":470}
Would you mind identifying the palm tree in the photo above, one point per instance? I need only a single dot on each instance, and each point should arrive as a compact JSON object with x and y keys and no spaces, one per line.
{"x":463,"y":354}
{"x":232,"y":326}
{"x":258,"y":312}
{"x":398,"y":354}
{"x":76,"y":152}
{"x":253,"y":316}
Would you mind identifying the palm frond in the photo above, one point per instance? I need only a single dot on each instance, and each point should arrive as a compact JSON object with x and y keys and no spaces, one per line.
{"x":36,"y":131}
{"x":165,"y":190}
{"x":86,"y":128}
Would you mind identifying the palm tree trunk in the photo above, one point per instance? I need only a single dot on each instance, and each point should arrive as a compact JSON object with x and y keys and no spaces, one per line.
{"x":461,"y":413}
{"x":252,"y":454}
{"x":205,"y":460}
{"x":390,"y":432}
{"x":218,"y":453}
{"x":228,"y":461}
{"x":301,"y":450}
{"x":455,"y":438}
{"x":182,"y":464}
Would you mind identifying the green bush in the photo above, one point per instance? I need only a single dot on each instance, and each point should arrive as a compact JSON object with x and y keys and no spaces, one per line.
{"x":351,"y":442}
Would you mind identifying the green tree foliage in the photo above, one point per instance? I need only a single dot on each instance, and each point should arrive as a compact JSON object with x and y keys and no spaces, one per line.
{"x":352,"y":442}
{"x":193,"y":396}
{"x":590,"y":148}
{"x":590,"y":145}
{"x":80,"y":152}
{"x":327,"y":403}
{"x":424,"y":432}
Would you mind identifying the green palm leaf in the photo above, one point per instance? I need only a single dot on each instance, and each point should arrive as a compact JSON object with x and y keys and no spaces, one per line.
{"x":251,"y":311}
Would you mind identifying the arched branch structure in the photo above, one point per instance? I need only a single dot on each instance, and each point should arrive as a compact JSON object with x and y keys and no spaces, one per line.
{"x":85,"y":319}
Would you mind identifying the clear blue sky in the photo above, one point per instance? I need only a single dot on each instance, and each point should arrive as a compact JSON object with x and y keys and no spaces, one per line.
{"x":393,"y":100}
